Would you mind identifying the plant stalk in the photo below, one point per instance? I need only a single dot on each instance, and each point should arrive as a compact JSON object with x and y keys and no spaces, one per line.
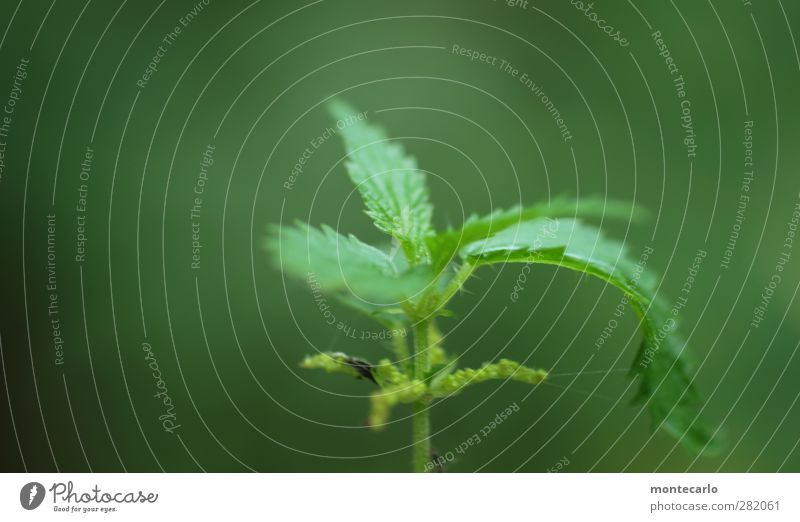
{"x":421,"y":423}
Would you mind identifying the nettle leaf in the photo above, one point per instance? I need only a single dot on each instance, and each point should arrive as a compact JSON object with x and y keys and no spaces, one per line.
{"x":331,"y":263}
{"x":662,"y":360}
{"x":388,"y":316}
{"x":445,"y":246}
{"x":666,"y":387}
{"x":392,"y":187}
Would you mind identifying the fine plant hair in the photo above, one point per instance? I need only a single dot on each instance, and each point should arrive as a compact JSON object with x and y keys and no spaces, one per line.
{"x":411,"y":291}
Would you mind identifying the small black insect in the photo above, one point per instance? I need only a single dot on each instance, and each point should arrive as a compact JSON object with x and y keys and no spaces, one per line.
{"x":363,"y":368}
{"x":438,"y":461}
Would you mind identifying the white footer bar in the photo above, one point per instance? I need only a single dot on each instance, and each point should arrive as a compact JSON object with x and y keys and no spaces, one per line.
{"x":400,"y":497}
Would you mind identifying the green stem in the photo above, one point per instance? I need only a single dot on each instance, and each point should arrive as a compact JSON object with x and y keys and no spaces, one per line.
{"x":421,"y":423}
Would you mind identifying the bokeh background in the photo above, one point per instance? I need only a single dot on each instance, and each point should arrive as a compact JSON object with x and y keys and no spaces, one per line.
{"x":250,"y":80}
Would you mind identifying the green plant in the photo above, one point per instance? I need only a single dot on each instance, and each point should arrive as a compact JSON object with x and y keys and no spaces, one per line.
{"x":411,"y":291}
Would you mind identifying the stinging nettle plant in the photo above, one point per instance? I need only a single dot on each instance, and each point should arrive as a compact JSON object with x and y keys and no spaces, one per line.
{"x":411,"y":290}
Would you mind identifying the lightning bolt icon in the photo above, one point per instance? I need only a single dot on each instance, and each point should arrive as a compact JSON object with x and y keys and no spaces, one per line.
{"x":33,"y":492}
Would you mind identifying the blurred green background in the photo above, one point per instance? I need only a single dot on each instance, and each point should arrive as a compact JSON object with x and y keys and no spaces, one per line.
{"x":249,"y":80}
